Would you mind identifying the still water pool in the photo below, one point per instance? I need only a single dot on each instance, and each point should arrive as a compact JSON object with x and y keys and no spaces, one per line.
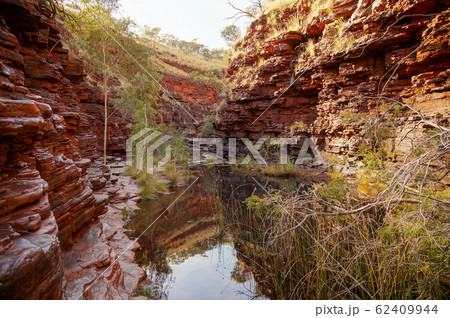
{"x":189,"y":253}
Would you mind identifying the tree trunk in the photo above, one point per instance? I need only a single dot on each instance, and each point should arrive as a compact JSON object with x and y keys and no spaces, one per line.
{"x":105,"y":92}
{"x":106,"y":126}
{"x":146,"y":119}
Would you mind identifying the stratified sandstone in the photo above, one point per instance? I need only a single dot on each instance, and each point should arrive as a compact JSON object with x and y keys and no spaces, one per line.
{"x":50,"y":119}
{"x":184,"y":103}
{"x":188,"y":101}
{"x":397,"y":49}
{"x":100,"y":263}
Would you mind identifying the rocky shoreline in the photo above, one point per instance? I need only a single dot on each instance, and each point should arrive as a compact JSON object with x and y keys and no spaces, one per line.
{"x":100,"y":265}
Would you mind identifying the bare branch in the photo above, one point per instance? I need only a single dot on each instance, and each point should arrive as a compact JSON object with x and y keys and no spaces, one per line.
{"x":241,"y":13}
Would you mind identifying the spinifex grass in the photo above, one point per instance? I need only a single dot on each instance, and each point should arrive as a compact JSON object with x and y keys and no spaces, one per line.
{"x":304,"y":254}
{"x":174,"y":174}
{"x":150,"y":183}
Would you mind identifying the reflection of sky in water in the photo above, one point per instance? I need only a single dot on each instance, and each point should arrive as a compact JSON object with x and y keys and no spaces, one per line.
{"x":208,"y":276}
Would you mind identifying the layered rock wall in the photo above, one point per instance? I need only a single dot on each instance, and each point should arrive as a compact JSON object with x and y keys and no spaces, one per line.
{"x":188,"y":100}
{"x":184,"y":102}
{"x":327,"y":66}
{"x":49,"y":125}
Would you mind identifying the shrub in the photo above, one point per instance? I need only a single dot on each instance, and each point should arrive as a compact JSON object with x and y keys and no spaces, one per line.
{"x":125,"y":213}
{"x":310,"y":48}
{"x":180,"y":150}
{"x":307,"y":252}
{"x":195,"y":77}
{"x":335,"y":190}
{"x":216,"y":72}
{"x":207,"y":129}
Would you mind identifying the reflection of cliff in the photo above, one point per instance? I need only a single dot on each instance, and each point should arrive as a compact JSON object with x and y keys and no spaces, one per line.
{"x":199,"y":245}
{"x":195,"y":227}
{"x":192,"y":219}
{"x":195,"y":223}
{"x":187,"y":237}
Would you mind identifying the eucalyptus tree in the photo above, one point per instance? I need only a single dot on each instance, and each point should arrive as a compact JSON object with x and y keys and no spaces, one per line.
{"x":115,"y":54}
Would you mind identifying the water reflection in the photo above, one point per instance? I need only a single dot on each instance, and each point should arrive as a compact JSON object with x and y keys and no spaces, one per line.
{"x":188,"y":253}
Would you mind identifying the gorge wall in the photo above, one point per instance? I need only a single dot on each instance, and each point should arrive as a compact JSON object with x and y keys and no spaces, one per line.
{"x":50,"y":126}
{"x":184,"y":101}
{"x":314,"y":69}
{"x":187,"y":99}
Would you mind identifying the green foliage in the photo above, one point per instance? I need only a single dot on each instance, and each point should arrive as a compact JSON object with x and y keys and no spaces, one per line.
{"x":151,"y":33}
{"x":207,"y":129}
{"x":169,"y":57}
{"x":150,"y":183}
{"x":374,"y":160}
{"x":261,"y":207}
{"x":209,"y":78}
{"x":55,"y":8}
{"x":268,"y":148}
{"x":180,"y":150}
{"x":138,"y":97}
{"x":93,"y":35}
{"x":195,"y":77}
{"x":175,"y":170}
{"x":309,"y":256}
{"x":211,"y":159}
{"x":231,"y":34}
{"x":126,"y":213}
{"x":152,"y":186}
{"x":335,"y":190}
{"x":378,"y":128}
{"x":298,"y":125}
{"x":216,"y":72}
{"x":154,"y":34}
{"x":421,"y":243}
{"x":121,"y":64}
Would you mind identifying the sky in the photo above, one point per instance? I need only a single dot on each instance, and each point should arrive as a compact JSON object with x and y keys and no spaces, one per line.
{"x":186,"y":19}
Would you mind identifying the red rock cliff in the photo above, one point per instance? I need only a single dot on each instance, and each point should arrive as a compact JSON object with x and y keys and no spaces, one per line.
{"x":49,"y":122}
{"x":187,"y":99}
{"x":334,"y":62}
{"x":184,"y":102}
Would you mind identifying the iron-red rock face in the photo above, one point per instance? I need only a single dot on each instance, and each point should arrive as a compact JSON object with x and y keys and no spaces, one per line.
{"x":50,"y":125}
{"x":190,"y":99}
{"x":319,"y":73}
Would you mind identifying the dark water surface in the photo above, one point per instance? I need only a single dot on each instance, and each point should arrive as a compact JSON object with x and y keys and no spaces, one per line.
{"x":189,"y":252}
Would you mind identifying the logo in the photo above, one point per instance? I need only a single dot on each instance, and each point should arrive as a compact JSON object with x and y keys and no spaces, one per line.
{"x":149,"y":150}
{"x":142,"y":149}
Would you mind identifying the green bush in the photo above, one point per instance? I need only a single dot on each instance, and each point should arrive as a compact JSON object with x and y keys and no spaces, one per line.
{"x":207,"y":129}
{"x":335,"y":190}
